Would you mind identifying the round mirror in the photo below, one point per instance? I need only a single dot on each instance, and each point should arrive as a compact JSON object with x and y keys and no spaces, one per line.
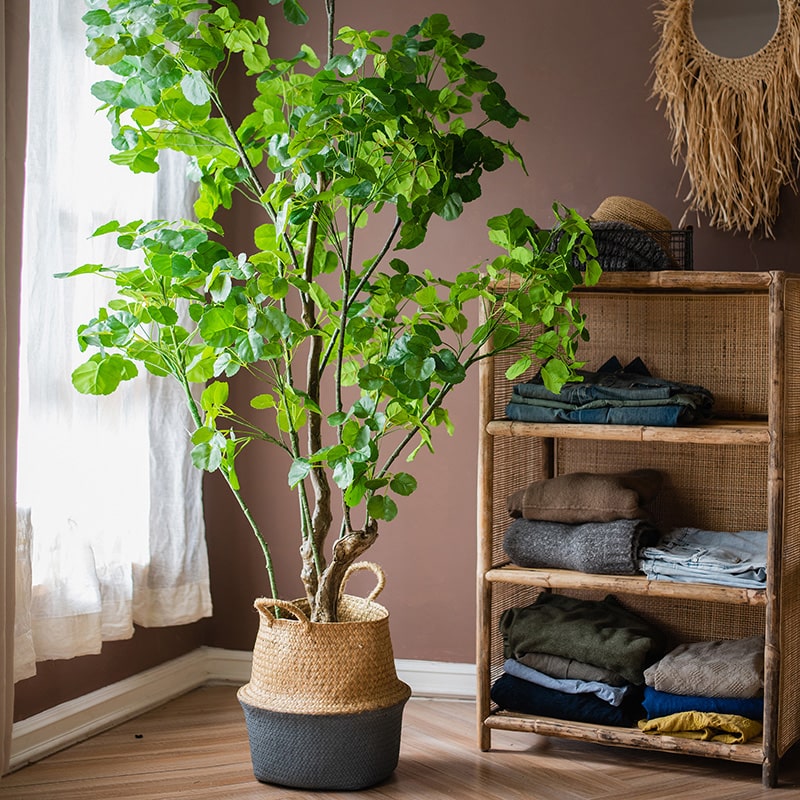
{"x":735,"y":28}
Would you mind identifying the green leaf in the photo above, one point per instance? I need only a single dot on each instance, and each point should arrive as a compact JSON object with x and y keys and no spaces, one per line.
{"x":343,"y":473}
{"x":137,"y":160}
{"x":403,"y":484}
{"x":371,"y":377}
{"x":84,"y":269}
{"x":293,"y":11}
{"x":207,"y":455}
{"x":107,"y":91}
{"x":555,"y":374}
{"x":164,"y":315}
{"x":105,"y":50}
{"x":194,"y":88}
{"x":355,"y":493}
{"x":593,"y":272}
{"x":453,"y":207}
{"x":108,"y":227}
{"x":521,"y":365}
{"x":103,"y":373}
{"x":262,"y":401}
{"x":299,"y":470}
{"x":381,"y":507}
{"x":419,"y":369}
{"x":99,"y":17}
{"x":214,"y":396}
{"x":138,"y":93}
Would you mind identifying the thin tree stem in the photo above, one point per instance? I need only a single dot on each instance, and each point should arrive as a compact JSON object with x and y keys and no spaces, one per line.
{"x":330,"y":8}
{"x":198,"y":421}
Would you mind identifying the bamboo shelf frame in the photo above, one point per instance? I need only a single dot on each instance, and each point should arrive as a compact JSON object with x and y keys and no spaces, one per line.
{"x":625,"y":584}
{"x":751,"y":752}
{"x":737,"y":334}
{"x":714,"y":432}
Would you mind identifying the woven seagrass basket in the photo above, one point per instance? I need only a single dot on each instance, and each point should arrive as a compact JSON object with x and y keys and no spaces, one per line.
{"x":324,"y":704}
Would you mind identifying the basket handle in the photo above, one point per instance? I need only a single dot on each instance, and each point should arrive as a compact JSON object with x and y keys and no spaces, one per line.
{"x":372,"y":567}
{"x":264,"y":604}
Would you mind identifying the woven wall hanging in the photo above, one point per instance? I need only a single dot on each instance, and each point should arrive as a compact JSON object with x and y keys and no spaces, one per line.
{"x":734,"y":121}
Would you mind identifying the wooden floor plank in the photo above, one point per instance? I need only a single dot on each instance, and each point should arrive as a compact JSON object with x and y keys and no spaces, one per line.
{"x":196,"y":747}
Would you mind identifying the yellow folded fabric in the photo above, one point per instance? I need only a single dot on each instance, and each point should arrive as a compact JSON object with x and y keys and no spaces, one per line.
{"x":705,"y":725}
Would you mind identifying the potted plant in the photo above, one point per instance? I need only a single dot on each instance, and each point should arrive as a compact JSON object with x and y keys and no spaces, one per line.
{"x":356,"y":357}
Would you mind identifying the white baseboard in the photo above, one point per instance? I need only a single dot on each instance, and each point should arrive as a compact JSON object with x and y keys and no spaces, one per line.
{"x":437,"y":679}
{"x":76,"y":720}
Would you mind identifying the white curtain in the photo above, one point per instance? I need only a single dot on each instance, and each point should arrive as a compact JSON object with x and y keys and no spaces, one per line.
{"x":116,"y":526}
{"x":13,"y":62}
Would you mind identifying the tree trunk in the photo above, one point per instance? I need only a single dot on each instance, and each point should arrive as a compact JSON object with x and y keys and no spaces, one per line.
{"x":345,"y":552}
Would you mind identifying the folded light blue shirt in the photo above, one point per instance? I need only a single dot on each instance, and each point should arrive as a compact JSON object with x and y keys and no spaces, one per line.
{"x":611,"y":694}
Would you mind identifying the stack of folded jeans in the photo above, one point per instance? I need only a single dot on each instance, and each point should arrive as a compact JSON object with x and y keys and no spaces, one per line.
{"x":613,"y":395}
{"x":691,"y":555}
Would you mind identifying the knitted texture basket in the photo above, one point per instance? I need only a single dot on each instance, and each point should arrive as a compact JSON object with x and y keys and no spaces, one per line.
{"x":333,"y":752}
{"x":324,"y":703}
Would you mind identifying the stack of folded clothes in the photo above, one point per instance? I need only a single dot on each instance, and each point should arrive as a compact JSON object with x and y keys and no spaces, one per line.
{"x":692,"y":555}
{"x":707,"y":690}
{"x":579,"y":660}
{"x":612,"y":395}
{"x":583,"y":521}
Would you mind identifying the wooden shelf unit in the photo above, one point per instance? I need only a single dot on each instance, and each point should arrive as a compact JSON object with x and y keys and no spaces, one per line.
{"x":738,"y":335}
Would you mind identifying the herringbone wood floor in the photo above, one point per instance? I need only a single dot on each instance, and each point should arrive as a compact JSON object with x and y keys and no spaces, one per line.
{"x":196,"y":747}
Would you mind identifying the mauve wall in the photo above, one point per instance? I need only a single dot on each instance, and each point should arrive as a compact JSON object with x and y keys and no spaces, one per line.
{"x":581,"y":71}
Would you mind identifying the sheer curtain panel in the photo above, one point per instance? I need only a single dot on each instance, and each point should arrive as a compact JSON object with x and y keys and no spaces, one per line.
{"x":13,"y":65}
{"x":116,"y":525}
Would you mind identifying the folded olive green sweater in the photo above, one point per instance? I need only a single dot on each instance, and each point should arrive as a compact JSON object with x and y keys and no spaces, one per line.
{"x":599,"y":632}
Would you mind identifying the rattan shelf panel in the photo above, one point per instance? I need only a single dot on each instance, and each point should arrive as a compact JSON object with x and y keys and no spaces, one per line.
{"x":751,"y":752}
{"x":627,"y":584}
{"x":714,"y":432}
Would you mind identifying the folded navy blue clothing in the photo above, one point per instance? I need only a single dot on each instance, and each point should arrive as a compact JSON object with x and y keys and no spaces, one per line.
{"x":514,"y":694}
{"x":613,"y":395}
{"x":661,"y":704}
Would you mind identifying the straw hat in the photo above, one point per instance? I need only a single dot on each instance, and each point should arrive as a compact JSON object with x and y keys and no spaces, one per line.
{"x":634,"y":212}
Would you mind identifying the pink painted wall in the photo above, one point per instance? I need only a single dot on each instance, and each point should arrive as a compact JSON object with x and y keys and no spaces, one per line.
{"x":581,"y":71}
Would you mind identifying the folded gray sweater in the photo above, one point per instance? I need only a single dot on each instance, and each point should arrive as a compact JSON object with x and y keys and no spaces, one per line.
{"x":604,"y":548}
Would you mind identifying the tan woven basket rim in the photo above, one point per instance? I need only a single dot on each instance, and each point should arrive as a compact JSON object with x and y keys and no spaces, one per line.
{"x":324,"y":668}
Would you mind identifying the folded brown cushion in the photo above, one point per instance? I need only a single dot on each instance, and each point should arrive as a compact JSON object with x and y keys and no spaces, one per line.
{"x":587,"y":497}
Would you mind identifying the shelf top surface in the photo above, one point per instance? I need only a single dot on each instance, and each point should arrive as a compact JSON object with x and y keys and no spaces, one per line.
{"x":712,"y":432}
{"x":628,"y":584}
{"x":687,"y":280}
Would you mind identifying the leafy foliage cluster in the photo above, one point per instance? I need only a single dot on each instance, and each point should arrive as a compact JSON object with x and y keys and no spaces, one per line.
{"x":355,"y":358}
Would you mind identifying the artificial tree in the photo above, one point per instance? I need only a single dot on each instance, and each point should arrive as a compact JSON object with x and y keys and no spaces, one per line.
{"x":355,"y":357}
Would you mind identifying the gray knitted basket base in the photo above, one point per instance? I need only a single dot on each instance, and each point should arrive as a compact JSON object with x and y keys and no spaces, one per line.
{"x":332,"y":752}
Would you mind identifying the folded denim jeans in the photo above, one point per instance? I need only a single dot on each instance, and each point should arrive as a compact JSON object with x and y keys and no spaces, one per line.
{"x":691,"y":555}
{"x":612,"y":395}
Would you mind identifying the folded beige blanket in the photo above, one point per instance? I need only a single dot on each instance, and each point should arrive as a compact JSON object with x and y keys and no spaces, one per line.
{"x":724,"y":668}
{"x":587,"y":497}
